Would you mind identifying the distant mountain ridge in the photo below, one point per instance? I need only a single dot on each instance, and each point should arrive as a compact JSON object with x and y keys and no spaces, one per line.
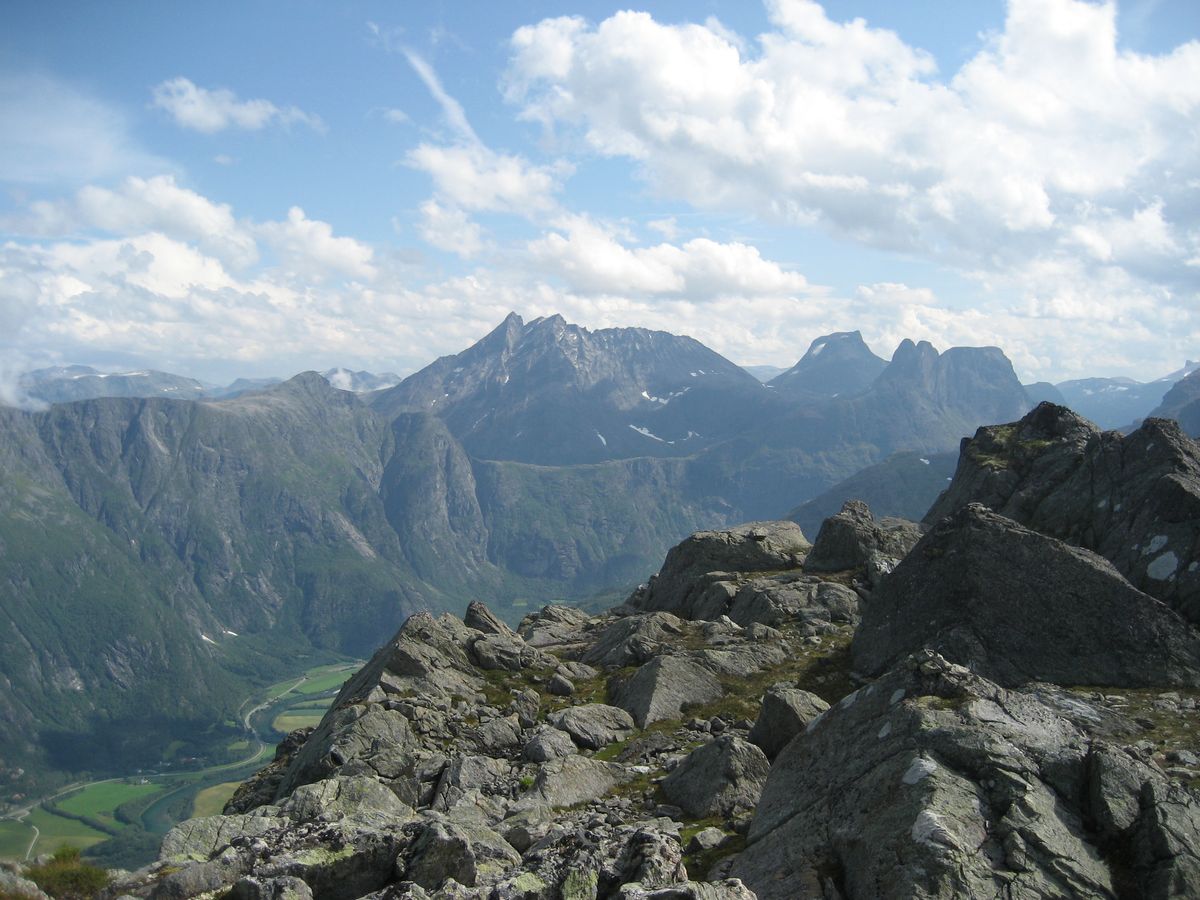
{"x":545,"y":461}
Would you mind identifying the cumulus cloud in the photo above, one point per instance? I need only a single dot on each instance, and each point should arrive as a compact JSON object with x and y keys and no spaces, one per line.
{"x":57,"y":133}
{"x":309,"y":247}
{"x":590,"y":259}
{"x":451,"y":229}
{"x":145,"y":204}
{"x":212,"y":110}
{"x":846,"y":124}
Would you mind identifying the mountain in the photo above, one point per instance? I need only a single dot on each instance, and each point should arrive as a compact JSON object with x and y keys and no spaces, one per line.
{"x":905,"y":485}
{"x":359,"y":382}
{"x":1044,"y":390}
{"x":1182,"y":403}
{"x":1117,"y":402}
{"x":764,"y":373}
{"x":240,"y":386}
{"x":551,"y":393}
{"x":835,"y":365}
{"x":547,"y":461}
{"x":65,"y":384}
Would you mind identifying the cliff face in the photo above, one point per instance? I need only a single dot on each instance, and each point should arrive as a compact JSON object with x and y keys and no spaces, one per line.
{"x":983,"y":710}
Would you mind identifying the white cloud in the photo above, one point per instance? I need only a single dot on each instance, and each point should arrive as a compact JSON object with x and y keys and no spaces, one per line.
{"x":210,"y":111}
{"x":308,"y":247}
{"x":452,"y":110}
{"x":590,"y":259}
{"x":451,"y":229}
{"x":56,"y":133}
{"x":475,"y":177}
{"x":146,"y":204}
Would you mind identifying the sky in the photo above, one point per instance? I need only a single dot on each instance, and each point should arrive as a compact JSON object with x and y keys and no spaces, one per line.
{"x":260,"y":188}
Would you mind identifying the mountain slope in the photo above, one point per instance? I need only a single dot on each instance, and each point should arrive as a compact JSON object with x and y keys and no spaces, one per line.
{"x":835,"y":365}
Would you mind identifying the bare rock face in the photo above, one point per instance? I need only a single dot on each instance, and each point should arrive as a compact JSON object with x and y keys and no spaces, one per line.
{"x":1017,"y":606}
{"x":850,"y":539}
{"x":786,"y":712}
{"x":723,"y":777}
{"x":955,"y":787}
{"x":754,"y":547}
{"x":661,"y":688}
{"x":1133,"y":499}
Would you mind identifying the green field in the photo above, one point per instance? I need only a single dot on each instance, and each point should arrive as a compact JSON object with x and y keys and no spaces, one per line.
{"x":100,"y":800}
{"x":211,"y":800}
{"x":56,"y":831}
{"x":290,"y":721}
{"x":319,"y":684}
{"x":14,"y":839}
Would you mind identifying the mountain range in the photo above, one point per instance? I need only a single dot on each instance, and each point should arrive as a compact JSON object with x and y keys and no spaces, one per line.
{"x":160,"y":555}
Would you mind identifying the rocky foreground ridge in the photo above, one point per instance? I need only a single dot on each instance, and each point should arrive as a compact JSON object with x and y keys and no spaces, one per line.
{"x":975,"y":709}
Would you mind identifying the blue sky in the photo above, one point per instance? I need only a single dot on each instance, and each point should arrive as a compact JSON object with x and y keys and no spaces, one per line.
{"x":260,"y":188}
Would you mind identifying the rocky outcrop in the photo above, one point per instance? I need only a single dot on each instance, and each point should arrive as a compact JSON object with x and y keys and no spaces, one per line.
{"x":1017,"y":606}
{"x":958,"y":788}
{"x":628,"y":755}
{"x":757,"y":547}
{"x":1133,"y":499}
{"x":854,"y":540}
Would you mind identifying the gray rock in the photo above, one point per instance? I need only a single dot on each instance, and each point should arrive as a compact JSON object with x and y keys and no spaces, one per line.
{"x":729,"y":889}
{"x":786,"y":712}
{"x":1134,"y":499}
{"x":479,"y":617}
{"x":593,"y":725}
{"x":632,"y":640}
{"x":286,"y":887}
{"x":362,"y":799}
{"x":719,"y":778}
{"x":560,"y":686}
{"x":959,"y":788}
{"x":774,"y":600}
{"x":467,"y":776}
{"x":498,"y":735}
{"x":1018,"y":606}
{"x":508,"y":651}
{"x":525,"y":706}
{"x":553,"y":626}
{"x":441,"y":851}
{"x":546,"y":744}
{"x":706,"y":839}
{"x":848,"y":540}
{"x":661,"y":688}
{"x":14,"y":886}
{"x":203,"y":838}
{"x":570,"y":780}
{"x":754,"y":547}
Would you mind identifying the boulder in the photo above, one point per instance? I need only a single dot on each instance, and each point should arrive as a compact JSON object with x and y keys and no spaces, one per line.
{"x":479,"y":617}
{"x":729,"y":889}
{"x":1134,"y":499}
{"x":849,"y":539}
{"x":560,"y":685}
{"x":569,"y":780}
{"x":546,"y":744}
{"x":956,"y":787}
{"x":593,"y":725}
{"x":661,"y":688}
{"x":286,"y":887}
{"x":632,"y":640}
{"x":509,"y":652}
{"x":754,"y":547}
{"x":553,"y":626}
{"x":462,"y":851}
{"x":1018,"y":606}
{"x":721,"y":778}
{"x":786,"y":712}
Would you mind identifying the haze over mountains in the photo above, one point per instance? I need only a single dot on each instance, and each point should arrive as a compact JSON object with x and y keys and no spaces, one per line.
{"x":160,"y":554}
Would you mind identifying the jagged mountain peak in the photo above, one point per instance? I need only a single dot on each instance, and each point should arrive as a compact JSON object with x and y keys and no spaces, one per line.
{"x":835,"y":365}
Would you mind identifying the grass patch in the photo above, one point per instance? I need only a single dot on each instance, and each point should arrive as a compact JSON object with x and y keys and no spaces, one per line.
{"x":211,"y":800}
{"x":100,"y":801}
{"x":320,"y":684}
{"x":67,"y":877}
{"x":14,"y":839}
{"x":290,"y":721}
{"x":58,"y":831}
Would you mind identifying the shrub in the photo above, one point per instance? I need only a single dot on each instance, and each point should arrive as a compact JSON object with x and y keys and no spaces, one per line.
{"x":67,"y":877}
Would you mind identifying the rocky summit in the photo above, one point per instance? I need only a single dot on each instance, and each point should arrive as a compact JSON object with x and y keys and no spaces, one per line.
{"x":970,"y":708}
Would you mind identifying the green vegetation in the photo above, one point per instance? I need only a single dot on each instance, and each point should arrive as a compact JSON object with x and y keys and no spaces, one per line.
{"x":59,"y":830}
{"x":14,"y":839}
{"x":211,"y":800}
{"x":100,"y":801}
{"x":67,"y":877}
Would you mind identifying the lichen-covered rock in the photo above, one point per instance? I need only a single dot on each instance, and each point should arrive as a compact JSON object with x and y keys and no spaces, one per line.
{"x":1018,"y":606}
{"x":1134,"y":499}
{"x":959,"y":788}
{"x":723,"y":777}
{"x":632,"y":640}
{"x":786,"y":712}
{"x":569,"y":780}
